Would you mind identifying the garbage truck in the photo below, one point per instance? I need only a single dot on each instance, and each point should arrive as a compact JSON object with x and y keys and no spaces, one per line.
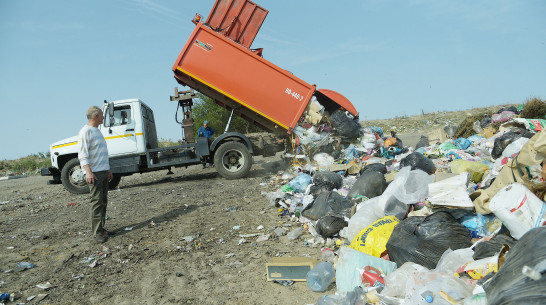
{"x":216,"y":61}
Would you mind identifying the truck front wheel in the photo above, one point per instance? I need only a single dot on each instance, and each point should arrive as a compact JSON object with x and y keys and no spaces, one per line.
{"x":232,"y":160}
{"x":73,"y":177}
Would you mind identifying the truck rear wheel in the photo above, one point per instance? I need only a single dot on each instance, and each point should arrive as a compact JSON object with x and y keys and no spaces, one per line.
{"x":73,"y":178}
{"x":232,"y":160}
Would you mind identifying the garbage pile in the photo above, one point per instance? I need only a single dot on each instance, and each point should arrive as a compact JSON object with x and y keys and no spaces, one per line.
{"x":450,"y":221}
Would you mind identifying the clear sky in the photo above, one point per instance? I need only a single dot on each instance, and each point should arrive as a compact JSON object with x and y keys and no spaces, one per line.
{"x":389,"y":58}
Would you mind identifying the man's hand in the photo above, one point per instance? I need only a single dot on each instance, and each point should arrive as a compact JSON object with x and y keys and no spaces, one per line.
{"x":90,"y":177}
{"x":110,"y":176}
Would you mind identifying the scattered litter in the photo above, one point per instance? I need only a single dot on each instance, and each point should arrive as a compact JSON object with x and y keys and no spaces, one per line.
{"x":232,"y":209}
{"x":262,"y":238}
{"x":45,"y":286}
{"x":6,"y":297}
{"x":22,"y":266}
{"x":128,"y":228}
{"x":189,"y":238}
{"x":236,"y":264}
{"x":250,"y":235}
{"x":71,"y":204}
{"x":94,"y":264}
{"x":87,"y":260}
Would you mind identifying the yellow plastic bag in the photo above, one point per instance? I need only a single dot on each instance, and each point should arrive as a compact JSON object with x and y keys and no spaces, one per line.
{"x":373,"y":239}
{"x":458,"y":166}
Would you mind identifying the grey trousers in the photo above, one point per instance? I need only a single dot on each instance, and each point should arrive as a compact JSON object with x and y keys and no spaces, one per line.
{"x":99,"y":201}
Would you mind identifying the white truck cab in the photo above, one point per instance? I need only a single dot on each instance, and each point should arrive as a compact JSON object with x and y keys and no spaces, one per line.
{"x":131,"y":136}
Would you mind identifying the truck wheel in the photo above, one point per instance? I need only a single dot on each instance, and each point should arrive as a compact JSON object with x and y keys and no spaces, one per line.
{"x":232,"y":160}
{"x":73,"y":178}
{"x":114,"y":182}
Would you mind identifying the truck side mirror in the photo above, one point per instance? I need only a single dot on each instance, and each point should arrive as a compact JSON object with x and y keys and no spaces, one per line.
{"x":111,"y":113}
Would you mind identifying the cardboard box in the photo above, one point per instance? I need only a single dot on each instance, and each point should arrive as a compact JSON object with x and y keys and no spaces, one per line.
{"x":438,"y":135}
{"x":289,"y":268}
{"x":351,"y":168}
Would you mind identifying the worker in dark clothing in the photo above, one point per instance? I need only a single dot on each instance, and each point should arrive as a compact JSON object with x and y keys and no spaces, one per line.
{"x":207,"y":132}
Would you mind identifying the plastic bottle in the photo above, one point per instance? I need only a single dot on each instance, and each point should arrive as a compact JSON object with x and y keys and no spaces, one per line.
{"x":428,"y":296}
{"x":321,"y":276}
{"x":294,"y":234}
{"x":328,"y":255}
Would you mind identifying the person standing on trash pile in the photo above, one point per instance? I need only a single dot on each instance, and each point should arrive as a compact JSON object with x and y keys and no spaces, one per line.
{"x":532,"y":153}
{"x":207,"y":132}
{"x":93,"y":156}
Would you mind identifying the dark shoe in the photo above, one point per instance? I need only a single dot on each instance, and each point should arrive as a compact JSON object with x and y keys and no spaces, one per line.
{"x":100,"y":239}
{"x":107,"y":233}
{"x":204,"y":166}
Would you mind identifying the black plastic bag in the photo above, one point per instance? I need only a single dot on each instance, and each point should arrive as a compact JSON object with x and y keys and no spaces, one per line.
{"x":423,"y":142}
{"x":328,"y":203}
{"x":325,"y":181}
{"x":492,"y":246}
{"x":423,"y":239}
{"x":344,"y":126}
{"x":328,"y":226}
{"x":509,"y":285}
{"x":451,"y":130}
{"x":370,"y":184}
{"x":485,"y":122}
{"x":418,"y":161}
{"x":503,"y":141}
{"x":378,"y":167}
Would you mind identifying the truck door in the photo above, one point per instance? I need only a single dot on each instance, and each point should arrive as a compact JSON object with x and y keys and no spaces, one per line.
{"x":120,"y":137}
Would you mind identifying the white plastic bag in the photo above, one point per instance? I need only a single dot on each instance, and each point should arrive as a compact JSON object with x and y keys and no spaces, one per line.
{"x":432,"y":283}
{"x":452,"y":260}
{"x":323,"y":159}
{"x":368,"y":212}
{"x":350,"y":261}
{"x":410,"y":186}
{"x":519,"y":209}
{"x":514,"y":147}
{"x":395,"y":283}
{"x":450,"y":192}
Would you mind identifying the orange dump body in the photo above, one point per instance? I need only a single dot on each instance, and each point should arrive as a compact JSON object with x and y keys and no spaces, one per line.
{"x":240,"y":20}
{"x":237,"y":78}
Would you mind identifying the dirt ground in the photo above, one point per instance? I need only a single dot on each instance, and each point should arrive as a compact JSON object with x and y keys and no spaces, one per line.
{"x":176,"y":241}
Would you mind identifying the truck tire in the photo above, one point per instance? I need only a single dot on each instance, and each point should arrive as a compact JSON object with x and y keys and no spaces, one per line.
{"x":232,"y":160}
{"x":70,"y":172}
{"x":114,"y":182}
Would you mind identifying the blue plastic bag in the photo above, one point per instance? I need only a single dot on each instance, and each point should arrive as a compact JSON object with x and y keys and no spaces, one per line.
{"x":462,"y":143}
{"x":300,"y":183}
{"x":474,"y":138}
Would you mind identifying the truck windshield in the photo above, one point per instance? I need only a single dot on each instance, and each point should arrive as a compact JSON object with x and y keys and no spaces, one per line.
{"x":122,"y":116}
